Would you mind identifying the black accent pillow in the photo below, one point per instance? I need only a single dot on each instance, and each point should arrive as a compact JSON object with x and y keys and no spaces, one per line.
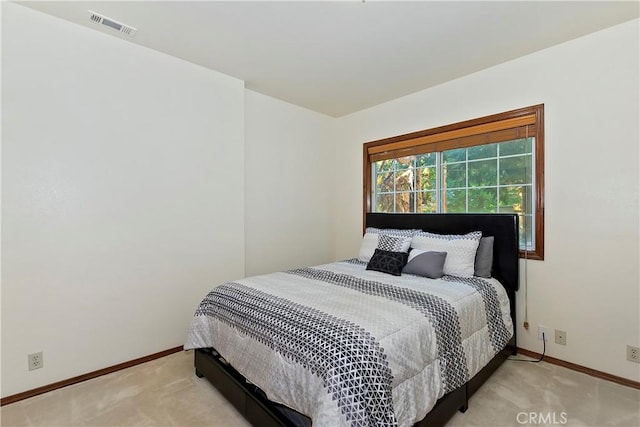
{"x":388,"y":262}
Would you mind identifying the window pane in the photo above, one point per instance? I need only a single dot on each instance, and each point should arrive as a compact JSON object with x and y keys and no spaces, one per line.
{"x":426,"y":178}
{"x":404,"y":180}
{"x":482,"y":151}
{"x":384,"y":182}
{"x":483,"y":200}
{"x":404,"y":163}
{"x":455,"y":176}
{"x":428,"y":159}
{"x":404,"y":202}
{"x":483,"y":173}
{"x":426,"y":201}
{"x":512,"y":199}
{"x":455,"y":201}
{"x":457,"y":155}
{"x":518,"y":146}
{"x":384,"y":165}
{"x":526,"y":231}
{"x":515,"y":170}
{"x":384,"y":203}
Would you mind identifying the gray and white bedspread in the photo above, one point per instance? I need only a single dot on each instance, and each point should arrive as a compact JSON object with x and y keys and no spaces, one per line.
{"x":351,"y":347}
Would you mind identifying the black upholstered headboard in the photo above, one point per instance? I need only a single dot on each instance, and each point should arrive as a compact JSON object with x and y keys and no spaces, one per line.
{"x":504,"y":228}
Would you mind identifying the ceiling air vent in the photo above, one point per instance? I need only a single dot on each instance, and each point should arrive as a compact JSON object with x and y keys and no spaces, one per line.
{"x":118,"y":26}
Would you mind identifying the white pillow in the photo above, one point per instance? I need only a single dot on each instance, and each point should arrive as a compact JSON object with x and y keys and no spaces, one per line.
{"x":460,"y":248}
{"x":370,"y":241}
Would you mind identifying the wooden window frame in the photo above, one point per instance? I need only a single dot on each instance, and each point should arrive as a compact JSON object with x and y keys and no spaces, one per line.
{"x":528,"y":121}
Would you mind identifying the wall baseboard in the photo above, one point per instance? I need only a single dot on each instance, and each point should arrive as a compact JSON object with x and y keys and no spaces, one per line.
{"x":44,"y":389}
{"x":64,"y":383}
{"x":580,"y":368}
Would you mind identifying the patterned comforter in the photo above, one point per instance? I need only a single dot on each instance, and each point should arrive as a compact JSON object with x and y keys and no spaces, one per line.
{"x":352,"y":347}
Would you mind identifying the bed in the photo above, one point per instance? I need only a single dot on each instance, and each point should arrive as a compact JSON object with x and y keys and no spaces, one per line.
{"x":291,"y":335}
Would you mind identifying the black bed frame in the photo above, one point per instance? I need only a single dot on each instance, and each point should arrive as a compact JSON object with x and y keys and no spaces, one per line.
{"x":251,"y":402}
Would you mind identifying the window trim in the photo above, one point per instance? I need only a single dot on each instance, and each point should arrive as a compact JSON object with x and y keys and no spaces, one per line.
{"x":528,"y":121}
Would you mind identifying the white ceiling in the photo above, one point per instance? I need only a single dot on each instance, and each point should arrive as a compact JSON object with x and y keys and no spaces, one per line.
{"x":341,"y":57}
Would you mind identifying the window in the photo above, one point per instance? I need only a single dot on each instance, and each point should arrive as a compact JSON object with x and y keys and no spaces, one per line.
{"x":489,"y":165}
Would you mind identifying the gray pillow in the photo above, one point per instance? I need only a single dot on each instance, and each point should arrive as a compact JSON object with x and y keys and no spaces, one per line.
{"x":428,"y":264}
{"x":484,"y":258}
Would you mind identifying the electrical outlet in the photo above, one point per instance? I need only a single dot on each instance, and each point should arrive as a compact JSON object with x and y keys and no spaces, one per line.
{"x":561,"y":337}
{"x":35,"y":361}
{"x":544,"y":330}
{"x":633,"y":354}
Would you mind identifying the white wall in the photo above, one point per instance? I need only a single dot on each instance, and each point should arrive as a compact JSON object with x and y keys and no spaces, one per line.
{"x":588,"y":284}
{"x":288,"y":187}
{"x":123,"y":200}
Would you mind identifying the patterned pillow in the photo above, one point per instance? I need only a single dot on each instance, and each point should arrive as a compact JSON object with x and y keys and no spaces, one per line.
{"x":370,"y":240}
{"x":388,"y":261}
{"x":461,"y":250}
{"x":393,"y":244}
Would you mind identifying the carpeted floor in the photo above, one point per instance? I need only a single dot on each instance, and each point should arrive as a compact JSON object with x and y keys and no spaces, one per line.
{"x":165,"y":392}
